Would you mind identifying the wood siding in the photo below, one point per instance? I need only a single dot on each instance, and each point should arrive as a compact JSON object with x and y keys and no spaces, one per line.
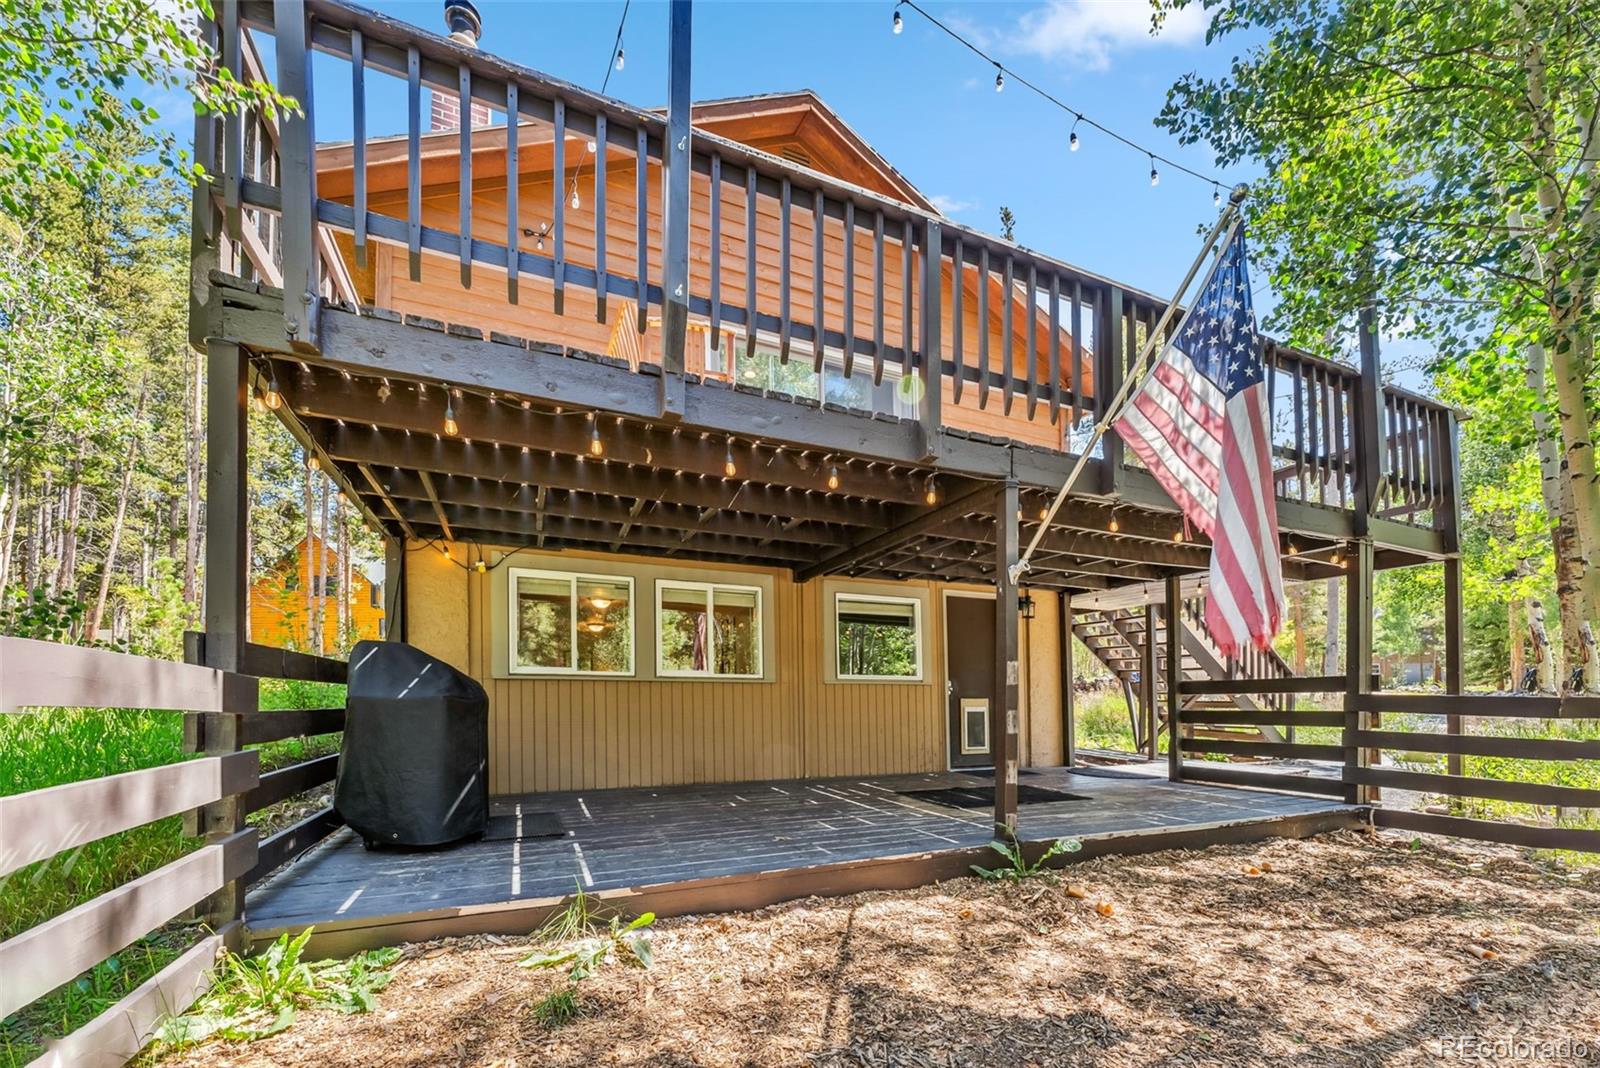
{"x":586,"y":733}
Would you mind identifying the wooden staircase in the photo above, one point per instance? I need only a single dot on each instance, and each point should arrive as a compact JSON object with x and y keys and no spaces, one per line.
{"x":1116,"y":637}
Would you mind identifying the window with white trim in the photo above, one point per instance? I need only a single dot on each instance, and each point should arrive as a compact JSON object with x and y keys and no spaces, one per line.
{"x":708,"y":630}
{"x":877,"y":637}
{"x":570,"y":623}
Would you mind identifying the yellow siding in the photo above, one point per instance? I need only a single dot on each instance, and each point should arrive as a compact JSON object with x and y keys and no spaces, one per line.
{"x":586,"y":733}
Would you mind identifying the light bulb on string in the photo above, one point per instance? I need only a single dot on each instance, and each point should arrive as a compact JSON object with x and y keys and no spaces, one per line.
{"x":931,"y":495}
{"x":257,"y":403}
{"x":451,"y":427}
{"x":1216,"y":194}
{"x":999,"y":78}
{"x":274,"y":399}
{"x":728,"y":466}
{"x":1072,"y":140}
{"x":899,"y":23}
{"x":1113,"y":526}
{"x":1155,"y":175}
{"x":576,"y":202}
{"x":312,"y":463}
{"x":596,"y":446}
{"x":592,"y":146}
{"x":619,"y":57}
{"x":833,"y":478}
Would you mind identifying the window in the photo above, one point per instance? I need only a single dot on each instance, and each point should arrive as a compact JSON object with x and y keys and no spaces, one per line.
{"x":375,"y":593}
{"x":570,"y":624}
{"x":878,"y":637}
{"x":798,"y":377}
{"x":709,"y":630}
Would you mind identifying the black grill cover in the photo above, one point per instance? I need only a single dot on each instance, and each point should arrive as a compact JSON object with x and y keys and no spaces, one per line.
{"x":413,"y":767}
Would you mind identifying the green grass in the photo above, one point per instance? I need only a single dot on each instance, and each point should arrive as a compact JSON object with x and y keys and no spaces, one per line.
{"x":55,"y":746}
{"x":1101,"y":718}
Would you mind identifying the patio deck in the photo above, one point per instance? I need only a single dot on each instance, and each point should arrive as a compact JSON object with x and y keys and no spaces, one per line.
{"x":704,"y":848}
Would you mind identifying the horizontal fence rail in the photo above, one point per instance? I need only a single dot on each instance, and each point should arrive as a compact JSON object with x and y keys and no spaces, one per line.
{"x":213,"y":791}
{"x":799,"y":283}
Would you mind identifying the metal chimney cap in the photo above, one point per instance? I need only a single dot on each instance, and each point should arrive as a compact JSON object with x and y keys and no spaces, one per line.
{"x":463,"y":22}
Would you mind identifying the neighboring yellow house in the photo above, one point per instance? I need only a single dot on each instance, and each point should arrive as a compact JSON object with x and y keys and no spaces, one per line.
{"x":279,"y":612}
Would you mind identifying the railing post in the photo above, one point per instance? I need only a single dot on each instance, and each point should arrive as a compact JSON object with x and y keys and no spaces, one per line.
{"x":930,"y":419}
{"x":205,"y":219}
{"x":1368,"y":445}
{"x":297,"y":145}
{"x":1149,"y":672}
{"x":1109,"y":356}
{"x":1069,"y":697}
{"x":675,"y":213}
{"x":1358,"y":665}
{"x":1454,"y":668}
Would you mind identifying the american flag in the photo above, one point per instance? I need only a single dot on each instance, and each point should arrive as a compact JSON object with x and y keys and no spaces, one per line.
{"x":1199,"y":423}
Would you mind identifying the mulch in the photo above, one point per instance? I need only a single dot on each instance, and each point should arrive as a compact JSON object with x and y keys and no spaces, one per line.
{"x":1348,"y":949}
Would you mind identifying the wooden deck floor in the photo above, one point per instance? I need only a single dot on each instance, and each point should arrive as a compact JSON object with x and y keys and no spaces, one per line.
{"x":733,"y":834}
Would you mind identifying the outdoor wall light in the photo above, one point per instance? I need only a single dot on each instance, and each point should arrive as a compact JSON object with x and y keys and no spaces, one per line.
{"x":1025,"y":605}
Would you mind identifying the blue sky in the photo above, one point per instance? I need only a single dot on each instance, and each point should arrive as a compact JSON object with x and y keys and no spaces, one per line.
{"x":928,"y":105}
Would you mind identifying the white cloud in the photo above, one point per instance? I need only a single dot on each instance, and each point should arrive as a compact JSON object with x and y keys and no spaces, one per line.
{"x":948,"y":205}
{"x":1088,"y":33}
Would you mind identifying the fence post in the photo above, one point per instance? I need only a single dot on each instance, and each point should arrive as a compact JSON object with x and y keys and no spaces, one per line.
{"x":297,"y":146}
{"x":1003,"y":740}
{"x":225,"y":817}
{"x":1174,"y":678}
{"x":1069,"y":697}
{"x":227,"y":497}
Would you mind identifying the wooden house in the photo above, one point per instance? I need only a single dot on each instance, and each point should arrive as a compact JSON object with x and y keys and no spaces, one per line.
{"x":285,"y":599}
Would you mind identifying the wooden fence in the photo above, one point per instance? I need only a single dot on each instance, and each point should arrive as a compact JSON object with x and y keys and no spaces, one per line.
{"x":214,"y":791}
{"x":1352,"y":767}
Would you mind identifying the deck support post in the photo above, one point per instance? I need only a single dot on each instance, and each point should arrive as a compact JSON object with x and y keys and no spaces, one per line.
{"x":227,"y":503}
{"x":1003,"y":715}
{"x":1368,"y":427}
{"x":1148,"y":690}
{"x":394,"y":588}
{"x":1069,"y":712}
{"x":1454,"y":668}
{"x":675,"y":155}
{"x":1358,"y":665}
{"x":1173,"y":606}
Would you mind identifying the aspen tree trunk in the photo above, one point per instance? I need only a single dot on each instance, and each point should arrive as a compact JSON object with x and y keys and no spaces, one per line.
{"x":193,"y":477}
{"x":1330,"y":653}
{"x":8,"y":526}
{"x":342,"y":564}
{"x":92,"y":627}
{"x":1540,"y":639}
{"x":72,"y":507}
{"x":1515,"y":634}
{"x":322,"y":566}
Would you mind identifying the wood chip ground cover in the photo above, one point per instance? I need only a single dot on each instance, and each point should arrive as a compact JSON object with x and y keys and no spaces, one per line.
{"x":1342,"y":950}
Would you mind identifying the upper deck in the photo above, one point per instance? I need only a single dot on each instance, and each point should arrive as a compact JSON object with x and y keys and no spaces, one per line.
{"x":714,"y":287}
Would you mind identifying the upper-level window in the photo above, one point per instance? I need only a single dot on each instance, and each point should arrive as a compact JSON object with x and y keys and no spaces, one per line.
{"x":878,"y":637}
{"x":708,"y":629}
{"x":570,"y":623}
{"x":799,"y":377}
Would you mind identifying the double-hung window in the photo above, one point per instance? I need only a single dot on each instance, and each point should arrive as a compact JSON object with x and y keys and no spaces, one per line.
{"x":570,"y":623}
{"x":878,"y":637}
{"x":708,"y":630}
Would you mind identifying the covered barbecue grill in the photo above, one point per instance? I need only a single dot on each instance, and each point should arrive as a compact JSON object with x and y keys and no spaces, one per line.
{"x":413,"y":767}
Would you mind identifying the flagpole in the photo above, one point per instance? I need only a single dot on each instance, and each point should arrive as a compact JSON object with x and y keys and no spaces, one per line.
{"x":1137,"y":371}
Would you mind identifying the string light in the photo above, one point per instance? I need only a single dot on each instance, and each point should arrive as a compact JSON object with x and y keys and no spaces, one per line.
{"x":932,"y":493}
{"x":257,"y":403}
{"x":451,"y":427}
{"x":1177,"y":536}
{"x":1072,"y":143}
{"x":605,"y":82}
{"x":899,"y":23}
{"x":1337,"y":559}
{"x":1072,"y":139}
{"x":619,"y":57}
{"x":1216,"y":194}
{"x":576,"y":202}
{"x":596,"y":446}
{"x":728,"y":466}
{"x":1113,"y":526}
{"x":480,"y":567}
{"x":833,"y":478}
{"x":312,"y":463}
{"x":1155,"y":175}
{"x":274,"y":399}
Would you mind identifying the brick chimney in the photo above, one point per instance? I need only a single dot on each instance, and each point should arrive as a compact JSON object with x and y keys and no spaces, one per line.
{"x":444,"y":109}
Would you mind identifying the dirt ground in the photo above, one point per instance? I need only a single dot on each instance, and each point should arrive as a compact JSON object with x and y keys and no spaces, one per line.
{"x":1341,"y":950}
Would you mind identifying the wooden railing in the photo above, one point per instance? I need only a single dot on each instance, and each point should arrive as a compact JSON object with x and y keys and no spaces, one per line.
{"x":818,"y":271}
{"x":42,"y":823}
{"x":1280,"y":713}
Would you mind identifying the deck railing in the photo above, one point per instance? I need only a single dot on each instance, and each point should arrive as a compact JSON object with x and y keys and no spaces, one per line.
{"x":818,"y":271}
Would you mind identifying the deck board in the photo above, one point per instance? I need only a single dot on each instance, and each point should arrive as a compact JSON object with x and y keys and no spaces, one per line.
{"x":645,"y":836}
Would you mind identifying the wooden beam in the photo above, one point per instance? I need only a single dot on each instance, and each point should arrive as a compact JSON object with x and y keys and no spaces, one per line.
{"x":42,"y":674}
{"x":913,"y":526}
{"x":580,"y":532}
{"x":227,"y":501}
{"x":438,"y":509}
{"x":377,"y":488}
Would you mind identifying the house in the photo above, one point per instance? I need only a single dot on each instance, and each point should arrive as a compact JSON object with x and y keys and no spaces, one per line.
{"x":708,"y":445}
{"x":285,"y":599}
